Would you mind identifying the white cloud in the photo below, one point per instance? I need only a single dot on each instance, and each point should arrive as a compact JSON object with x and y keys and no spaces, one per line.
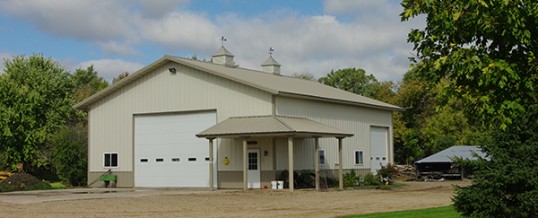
{"x":318,"y":44}
{"x":109,"y":69}
{"x":86,"y":20}
{"x":366,"y":33}
{"x":180,"y":30}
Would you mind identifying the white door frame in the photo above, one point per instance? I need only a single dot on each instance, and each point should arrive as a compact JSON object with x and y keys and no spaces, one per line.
{"x":254,"y":175}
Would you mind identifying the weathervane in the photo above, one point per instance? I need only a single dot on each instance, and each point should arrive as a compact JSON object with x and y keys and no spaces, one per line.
{"x":271,"y":50}
{"x":222,"y":39}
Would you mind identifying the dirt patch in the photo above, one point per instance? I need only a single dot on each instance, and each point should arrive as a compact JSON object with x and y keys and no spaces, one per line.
{"x":252,"y":203}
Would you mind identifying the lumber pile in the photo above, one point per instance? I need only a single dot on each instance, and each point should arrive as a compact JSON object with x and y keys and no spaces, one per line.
{"x":406,"y":170}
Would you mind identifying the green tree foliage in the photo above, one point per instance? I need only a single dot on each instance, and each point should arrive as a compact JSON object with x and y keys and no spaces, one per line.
{"x":120,"y":77}
{"x":486,"y":47}
{"x":87,"y":82}
{"x":507,"y":185}
{"x":70,"y":154}
{"x":487,"y":50}
{"x":35,"y":101}
{"x":352,"y":80}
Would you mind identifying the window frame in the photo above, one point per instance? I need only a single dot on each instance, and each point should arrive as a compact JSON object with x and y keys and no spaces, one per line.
{"x":322,"y":161}
{"x":355,"y":157}
{"x":111,"y":158}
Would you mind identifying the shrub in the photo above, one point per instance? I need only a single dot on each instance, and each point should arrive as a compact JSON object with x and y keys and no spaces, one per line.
{"x":69,"y":155}
{"x":370,"y":179}
{"x":507,"y":184}
{"x":350,"y":179}
{"x":388,"y":171}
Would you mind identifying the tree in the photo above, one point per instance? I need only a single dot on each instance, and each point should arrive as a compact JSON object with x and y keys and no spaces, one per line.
{"x":487,"y":50}
{"x":352,"y":80}
{"x":70,"y":154}
{"x":486,"y":47}
{"x":87,"y":82}
{"x":35,"y":100}
{"x":120,"y":77}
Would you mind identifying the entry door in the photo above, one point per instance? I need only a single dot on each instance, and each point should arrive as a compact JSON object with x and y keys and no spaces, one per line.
{"x":379,"y":143}
{"x":254,"y":168}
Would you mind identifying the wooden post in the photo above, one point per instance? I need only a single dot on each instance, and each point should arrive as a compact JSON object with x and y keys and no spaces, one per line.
{"x":340,"y":165}
{"x":290,"y":163}
{"x":211,"y":164}
{"x":316,"y":162}
{"x":245,"y":162}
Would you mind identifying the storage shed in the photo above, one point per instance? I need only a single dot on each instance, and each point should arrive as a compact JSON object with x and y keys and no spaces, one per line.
{"x":144,"y":128}
{"x":442,"y":163}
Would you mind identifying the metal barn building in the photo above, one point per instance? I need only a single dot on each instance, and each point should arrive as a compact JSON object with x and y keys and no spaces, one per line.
{"x":188,"y":123}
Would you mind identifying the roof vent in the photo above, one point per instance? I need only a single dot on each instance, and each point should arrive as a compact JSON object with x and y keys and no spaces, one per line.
{"x":271,"y":65}
{"x":223,"y":56}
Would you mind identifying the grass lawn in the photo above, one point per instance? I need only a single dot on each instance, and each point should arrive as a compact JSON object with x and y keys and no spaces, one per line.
{"x":437,"y":212}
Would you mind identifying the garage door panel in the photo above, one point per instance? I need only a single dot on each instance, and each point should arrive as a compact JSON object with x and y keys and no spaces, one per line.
{"x":169,"y":137}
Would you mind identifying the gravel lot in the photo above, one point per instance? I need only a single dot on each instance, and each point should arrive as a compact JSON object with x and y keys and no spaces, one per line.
{"x":223,"y":203}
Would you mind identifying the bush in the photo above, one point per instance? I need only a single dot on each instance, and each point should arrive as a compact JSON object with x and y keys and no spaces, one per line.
{"x":70,"y":156}
{"x":507,"y":184}
{"x":370,"y":179}
{"x":388,"y":171}
{"x":350,"y":179}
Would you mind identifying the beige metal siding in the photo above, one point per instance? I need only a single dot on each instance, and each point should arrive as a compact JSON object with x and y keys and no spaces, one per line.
{"x":111,"y":118}
{"x":352,"y":119}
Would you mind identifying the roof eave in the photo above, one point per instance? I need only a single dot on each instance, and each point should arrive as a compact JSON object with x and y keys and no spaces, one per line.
{"x":309,"y":97}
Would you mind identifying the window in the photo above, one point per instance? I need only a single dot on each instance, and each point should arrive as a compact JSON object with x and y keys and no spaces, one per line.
{"x":321,"y":156}
{"x":252,"y":161}
{"x":111,"y":159}
{"x":359,"y":158}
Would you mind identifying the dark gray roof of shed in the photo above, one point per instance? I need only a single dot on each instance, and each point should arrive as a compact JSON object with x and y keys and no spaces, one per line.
{"x":461,"y":151}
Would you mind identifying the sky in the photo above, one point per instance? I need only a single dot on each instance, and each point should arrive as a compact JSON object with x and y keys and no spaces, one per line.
{"x":307,"y":36}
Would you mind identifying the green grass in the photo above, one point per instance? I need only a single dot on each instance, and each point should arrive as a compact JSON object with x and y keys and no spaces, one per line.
{"x":437,"y":212}
{"x":58,"y":185}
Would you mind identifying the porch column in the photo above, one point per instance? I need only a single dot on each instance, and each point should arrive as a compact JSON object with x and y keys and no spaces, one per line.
{"x":211,"y":164}
{"x":245,"y":162}
{"x":290,"y":163}
{"x":316,"y":162}
{"x":340,"y":165}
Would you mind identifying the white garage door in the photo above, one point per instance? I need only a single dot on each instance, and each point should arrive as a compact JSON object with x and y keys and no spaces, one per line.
{"x":379,"y":143}
{"x":167,"y":151}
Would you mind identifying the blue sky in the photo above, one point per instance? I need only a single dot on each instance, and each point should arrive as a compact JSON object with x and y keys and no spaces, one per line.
{"x":308,"y":36}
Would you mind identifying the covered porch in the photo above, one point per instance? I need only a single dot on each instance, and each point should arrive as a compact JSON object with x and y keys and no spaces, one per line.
{"x":275,"y":127}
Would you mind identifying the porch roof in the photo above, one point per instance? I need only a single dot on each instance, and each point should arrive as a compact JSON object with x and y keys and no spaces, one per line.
{"x":271,"y":125}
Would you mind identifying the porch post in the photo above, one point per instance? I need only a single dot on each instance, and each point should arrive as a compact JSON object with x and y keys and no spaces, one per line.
{"x":245,"y":162}
{"x":340,"y":165}
{"x":316,"y":162}
{"x":290,"y":163}
{"x":211,"y":164}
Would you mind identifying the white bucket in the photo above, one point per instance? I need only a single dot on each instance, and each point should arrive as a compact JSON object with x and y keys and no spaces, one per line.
{"x":280,"y":184}
{"x":274,"y":184}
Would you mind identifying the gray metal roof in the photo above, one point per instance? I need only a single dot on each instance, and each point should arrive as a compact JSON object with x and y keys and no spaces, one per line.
{"x":274,"y":84}
{"x":271,"y":126}
{"x":462,"y":151}
{"x":223,"y":51}
{"x":270,"y":62}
